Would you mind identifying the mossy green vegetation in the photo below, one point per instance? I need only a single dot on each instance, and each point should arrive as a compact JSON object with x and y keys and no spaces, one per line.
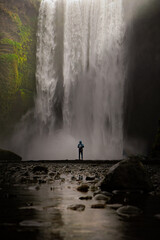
{"x":17,"y":60}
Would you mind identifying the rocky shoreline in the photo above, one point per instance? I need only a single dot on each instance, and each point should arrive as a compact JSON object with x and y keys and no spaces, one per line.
{"x":49,"y":171}
{"x":74,"y":189}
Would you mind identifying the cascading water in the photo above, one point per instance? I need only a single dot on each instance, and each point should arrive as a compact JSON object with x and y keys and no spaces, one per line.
{"x":80,"y":77}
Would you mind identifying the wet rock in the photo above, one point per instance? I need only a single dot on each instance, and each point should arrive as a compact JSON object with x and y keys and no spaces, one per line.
{"x":157,"y":216}
{"x":102,"y":197}
{"x":41,"y":181}
{"x":37,"y":187}
{"x":57,"y":176}
{"x":97,"y":192}
{"x":77,"y":207}
{"x":73,"y":178}
{"x":86,"y":198}
{"x":98,"y":205}
{"x":6,"y":155}
{"x":130,"y":197}
{"x":34,"y":223}
{"x":127,"y":174}
{"x":83,"y":188}
{"x":129,"y":211}
{"x":51,"y":174}
{"x":102,"y":192}
{"x":23,"y":180}
{"x":40,"y":169}
{"x":114,"y":206}
{"x":62,"y":180}
{"x":93,"y":188}
{"x":82,"y":169}
{"x":128,"y":191}
{"x":90,"y":178}
{"x":107,"y":193}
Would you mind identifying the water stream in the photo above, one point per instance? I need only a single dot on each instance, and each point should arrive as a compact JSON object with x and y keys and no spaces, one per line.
{"x":35,"y":206}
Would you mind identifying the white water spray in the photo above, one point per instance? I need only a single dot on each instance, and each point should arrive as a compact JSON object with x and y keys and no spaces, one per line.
{"x":80,"y":77}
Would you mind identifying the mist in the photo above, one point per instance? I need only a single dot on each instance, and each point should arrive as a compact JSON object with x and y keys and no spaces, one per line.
{"x":84,"y":82}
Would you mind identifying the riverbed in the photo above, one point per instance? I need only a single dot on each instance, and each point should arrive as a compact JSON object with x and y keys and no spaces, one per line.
{"x":36,"y":199}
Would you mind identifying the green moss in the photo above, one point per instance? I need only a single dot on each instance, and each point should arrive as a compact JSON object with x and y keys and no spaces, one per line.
{"x":21,"y":48}
{"x":10,"y":42}
{"x":25,"y":92}
{"x":10,"y":62}
{"x":17,"y":61}
{"x":8,"y":57}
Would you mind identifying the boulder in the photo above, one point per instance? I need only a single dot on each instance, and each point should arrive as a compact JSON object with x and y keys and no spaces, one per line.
{"x":127,"y":174}
{"x":6,"y":155}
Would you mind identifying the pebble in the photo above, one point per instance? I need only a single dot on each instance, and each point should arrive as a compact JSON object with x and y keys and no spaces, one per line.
{"x":129,"y":191}
{"x":86,"y":198}
{"x":37,"y":187}
{"x":73,"y":178}
{"x":129,"y":211}
{"x":41,"y":181}
{"x":83,"y":188}
{"x":90,"y":178}
{"x":34,"y":223}
{"x":102,"y":192}
{"x":40,"y":169}
{"x":57,"y":176}
{"x":114,"y":206}
{"x":51,"y":174}
{"x":97,"y":192}
{"x":98,"y":205}
{"x":77,"y":207}
{"x":93,"y":188}
{"x":102,"y":197}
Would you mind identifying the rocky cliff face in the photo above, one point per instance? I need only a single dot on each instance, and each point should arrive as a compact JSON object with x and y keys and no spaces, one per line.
{"x":18,"y":24}
{"x":142,"y":86}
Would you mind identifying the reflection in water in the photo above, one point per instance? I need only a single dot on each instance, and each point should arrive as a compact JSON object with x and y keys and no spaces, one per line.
{"x":39,"y":212}
{"x":89,"y":224}
{"x":29,"y":213}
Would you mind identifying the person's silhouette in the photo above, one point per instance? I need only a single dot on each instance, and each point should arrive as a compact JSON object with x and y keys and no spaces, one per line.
{"x":80,"y":146}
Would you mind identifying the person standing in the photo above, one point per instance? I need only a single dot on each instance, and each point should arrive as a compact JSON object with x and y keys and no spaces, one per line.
{"x":80,"y":146}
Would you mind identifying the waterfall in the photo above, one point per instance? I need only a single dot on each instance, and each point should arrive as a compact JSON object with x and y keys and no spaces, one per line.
{"x":80,"y":78}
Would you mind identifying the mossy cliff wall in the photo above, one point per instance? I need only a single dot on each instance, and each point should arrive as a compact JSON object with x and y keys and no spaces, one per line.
{"x":18,"y":25}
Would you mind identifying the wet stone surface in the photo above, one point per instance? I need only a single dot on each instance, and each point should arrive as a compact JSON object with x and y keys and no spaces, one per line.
{"x":63,"y":201}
